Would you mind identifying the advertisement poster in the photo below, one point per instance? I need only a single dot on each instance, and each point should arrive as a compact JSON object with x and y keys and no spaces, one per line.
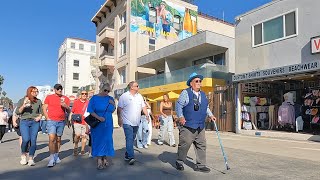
{"x":162,"y":19}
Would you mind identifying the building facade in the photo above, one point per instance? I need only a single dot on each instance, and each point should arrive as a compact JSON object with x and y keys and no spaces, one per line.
{"x":159,"y":44}
{"x":277,"y":60}
{"x":74,"y":67}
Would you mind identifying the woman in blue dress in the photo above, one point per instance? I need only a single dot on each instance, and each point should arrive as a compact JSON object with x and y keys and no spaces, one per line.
{"x":102,"y":106}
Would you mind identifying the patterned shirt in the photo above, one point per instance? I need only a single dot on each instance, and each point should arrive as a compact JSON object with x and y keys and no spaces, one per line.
{"x":183,"y":102}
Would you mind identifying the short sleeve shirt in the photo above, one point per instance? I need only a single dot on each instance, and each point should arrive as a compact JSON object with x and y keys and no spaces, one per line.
{"x":79,"y":107}
{"x":131,"y":106}
{"x":55,"y":111}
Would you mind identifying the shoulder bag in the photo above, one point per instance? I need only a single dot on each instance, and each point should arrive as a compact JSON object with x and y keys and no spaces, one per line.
{"x":93,"y":121}
{"x":78,"y":117}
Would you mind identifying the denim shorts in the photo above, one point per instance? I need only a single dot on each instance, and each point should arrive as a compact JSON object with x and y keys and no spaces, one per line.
{"x":55,"y":127}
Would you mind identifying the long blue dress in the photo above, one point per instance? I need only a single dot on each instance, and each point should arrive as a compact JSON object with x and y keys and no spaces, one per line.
{"x":101,"y":135}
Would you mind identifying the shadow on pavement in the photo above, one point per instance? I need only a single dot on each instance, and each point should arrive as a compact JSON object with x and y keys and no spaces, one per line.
{"x":83,"y":167}
{"x":9,"y":140}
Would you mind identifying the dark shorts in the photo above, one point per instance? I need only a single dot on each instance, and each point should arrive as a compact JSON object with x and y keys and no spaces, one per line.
{"x":166,"y":28}
{"x":149,"y":24}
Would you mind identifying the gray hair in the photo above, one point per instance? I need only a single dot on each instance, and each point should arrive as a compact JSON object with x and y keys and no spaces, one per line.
{"x":131,"y":84}
{"x":105,"y":86}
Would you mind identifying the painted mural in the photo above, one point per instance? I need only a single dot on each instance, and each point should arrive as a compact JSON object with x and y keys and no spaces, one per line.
{"x":162,"y":19}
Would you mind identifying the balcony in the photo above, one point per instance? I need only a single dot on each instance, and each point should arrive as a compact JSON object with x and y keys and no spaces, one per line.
{"x":207,"y":70}
{"x":106,"y":35}
{"x":107,"y":59}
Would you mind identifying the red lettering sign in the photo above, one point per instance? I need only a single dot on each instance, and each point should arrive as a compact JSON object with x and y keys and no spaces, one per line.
{"x":315,"y":45}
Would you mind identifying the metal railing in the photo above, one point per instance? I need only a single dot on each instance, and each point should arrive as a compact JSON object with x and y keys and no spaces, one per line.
{"x":206,"y":70}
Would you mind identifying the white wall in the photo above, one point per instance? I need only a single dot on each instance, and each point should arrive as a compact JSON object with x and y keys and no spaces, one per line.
{"x":66,"y":67}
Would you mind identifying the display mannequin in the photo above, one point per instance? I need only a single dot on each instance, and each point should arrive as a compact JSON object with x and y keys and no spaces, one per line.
{"x":253,"y":111}
{"x":286,"y":113}
{"x":272,"y":117}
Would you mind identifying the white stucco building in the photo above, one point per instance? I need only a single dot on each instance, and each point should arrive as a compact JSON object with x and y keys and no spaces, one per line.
{"x":74,"y":70}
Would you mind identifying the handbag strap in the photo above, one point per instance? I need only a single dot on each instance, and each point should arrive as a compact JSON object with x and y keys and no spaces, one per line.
{"x":106,"y":107}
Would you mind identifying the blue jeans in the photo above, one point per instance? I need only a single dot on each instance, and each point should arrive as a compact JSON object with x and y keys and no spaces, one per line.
{"x":43,"y":124}
{"x":29,"y":132}
{"x":130,"y":132}
{"x":55,"y":127}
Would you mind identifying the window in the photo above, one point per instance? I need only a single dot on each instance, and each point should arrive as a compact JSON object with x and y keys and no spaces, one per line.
{"x":76,"y":63}
{"x":122,"y":73}
{"x":75,"y":89}
{"x":81,"y":46}
{"x":73,"y":45}
{"x":93,"y":48}
{"x":277,"y":28}
{"x":203,"y":60}
{"x":152,"y":44}
{"x":123,"y":47}
{"x":219,"y":59}
{"x":75,"y":76}
{"x":123,"y":18}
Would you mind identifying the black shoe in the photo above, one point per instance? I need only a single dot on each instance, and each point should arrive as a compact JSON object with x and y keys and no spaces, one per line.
{"x":174,"y":145}
{"x":179,"y":166}
{"x":131,"y":161}
{"x":202,"y":169}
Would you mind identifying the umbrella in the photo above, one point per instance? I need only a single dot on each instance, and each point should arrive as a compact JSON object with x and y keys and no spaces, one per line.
{"x":172,"y":95}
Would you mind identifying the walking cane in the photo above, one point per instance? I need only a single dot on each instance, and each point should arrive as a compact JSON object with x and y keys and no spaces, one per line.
{"x":224,"y":155}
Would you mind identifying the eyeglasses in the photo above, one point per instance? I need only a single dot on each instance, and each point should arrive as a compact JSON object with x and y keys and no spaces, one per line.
{"x":84,"y":93}
{"x":136,"y":86}
{"x":198,"y":81}
{"x":59,"y":89}
{"x":106,"y":90}
{"x":35,"y":91}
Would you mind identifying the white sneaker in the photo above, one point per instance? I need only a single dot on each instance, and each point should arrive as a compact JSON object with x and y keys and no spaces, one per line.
{"x":31,"y":163}
{"x":13,"y":130}
{"x":23,"y":160}
{"x":140,"y":147}
{"x":9,"y":130}
{"x":57,"y":160}
{"x":145,"y":146}
{"x":51,"y":163}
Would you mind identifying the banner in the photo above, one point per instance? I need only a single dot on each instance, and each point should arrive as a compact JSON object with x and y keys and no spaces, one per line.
{"x":162,"y":19}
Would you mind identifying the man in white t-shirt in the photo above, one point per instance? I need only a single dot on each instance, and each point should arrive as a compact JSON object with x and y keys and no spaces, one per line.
{"x":129,"y":114}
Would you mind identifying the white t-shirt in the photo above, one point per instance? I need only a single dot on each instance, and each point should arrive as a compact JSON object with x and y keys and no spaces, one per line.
{"x":131,"y":106}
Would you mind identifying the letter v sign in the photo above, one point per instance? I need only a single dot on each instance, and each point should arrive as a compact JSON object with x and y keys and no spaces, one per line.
{"x":315,"y":45}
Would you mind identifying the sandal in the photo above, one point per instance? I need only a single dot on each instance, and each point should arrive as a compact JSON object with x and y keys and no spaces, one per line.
{"x":105,"y":163}
{"x":82,"y":153}
{"x":75,"y":152}
{"x":100,"y":165}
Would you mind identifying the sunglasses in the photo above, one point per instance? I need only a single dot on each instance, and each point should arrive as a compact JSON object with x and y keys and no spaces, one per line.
{"x":35,"y":91}
{"x":59,"y":89}
{"x":84,"y":93}
{"x":198,"y":81}
{"x":106,"y":90}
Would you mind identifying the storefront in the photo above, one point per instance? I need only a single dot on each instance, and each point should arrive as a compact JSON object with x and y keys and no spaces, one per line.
{"x":282,"y":99}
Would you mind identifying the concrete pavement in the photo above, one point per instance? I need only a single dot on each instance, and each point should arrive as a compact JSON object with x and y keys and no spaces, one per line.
{"x":248,"y":157}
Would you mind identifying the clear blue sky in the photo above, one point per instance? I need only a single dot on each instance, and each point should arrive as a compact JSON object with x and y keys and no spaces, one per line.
{"x":32,"y":31}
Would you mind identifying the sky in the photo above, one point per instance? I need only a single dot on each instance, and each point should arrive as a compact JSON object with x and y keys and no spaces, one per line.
{"x":32,"y":31}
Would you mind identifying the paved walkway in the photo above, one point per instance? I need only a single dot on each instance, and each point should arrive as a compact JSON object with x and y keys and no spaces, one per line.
{"x":249,"y":158}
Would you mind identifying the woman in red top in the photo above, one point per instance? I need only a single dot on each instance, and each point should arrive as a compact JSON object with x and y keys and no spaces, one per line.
{"x":80,"y":128}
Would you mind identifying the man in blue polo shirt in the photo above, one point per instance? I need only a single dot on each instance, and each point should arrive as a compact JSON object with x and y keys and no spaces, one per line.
{"x":192,"y":110}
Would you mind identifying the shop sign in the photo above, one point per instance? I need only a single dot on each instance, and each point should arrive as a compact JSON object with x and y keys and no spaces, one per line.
{"x":297,"y":68}
{"x":315,"y":45}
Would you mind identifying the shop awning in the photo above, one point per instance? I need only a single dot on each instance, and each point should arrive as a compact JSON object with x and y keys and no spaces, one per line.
{"x":172,"y":95}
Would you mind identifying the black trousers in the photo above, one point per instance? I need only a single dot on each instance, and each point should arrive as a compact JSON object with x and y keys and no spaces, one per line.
{"x":2,"y":131}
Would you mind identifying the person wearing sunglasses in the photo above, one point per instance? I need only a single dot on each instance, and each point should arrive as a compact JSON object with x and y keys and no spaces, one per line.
{"x":130,"y":105}
{"x":30,"y":110}
{"x":192,"y":110}
{"x":101,"y":106}
{"x":55,"y":108}
{"x":80,"y":127}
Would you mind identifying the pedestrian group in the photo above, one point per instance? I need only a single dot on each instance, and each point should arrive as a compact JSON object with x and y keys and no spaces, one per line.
{"x":134,"y":116}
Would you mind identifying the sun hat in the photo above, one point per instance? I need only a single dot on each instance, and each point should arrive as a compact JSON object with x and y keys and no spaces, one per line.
{"x":192,"y":76}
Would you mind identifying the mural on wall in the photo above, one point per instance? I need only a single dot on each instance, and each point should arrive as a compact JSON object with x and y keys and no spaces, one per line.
{"x":162,"y":19}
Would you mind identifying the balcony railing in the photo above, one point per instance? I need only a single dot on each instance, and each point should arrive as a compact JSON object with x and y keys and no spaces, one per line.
{"x":206,"y":70}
